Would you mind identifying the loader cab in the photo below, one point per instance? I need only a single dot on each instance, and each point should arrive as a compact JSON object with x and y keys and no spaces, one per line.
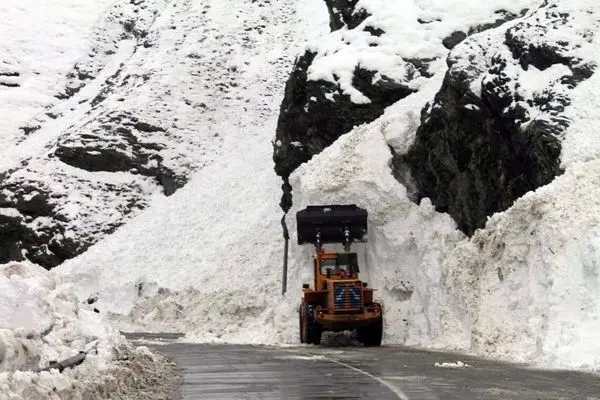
{"x":334,"y":266}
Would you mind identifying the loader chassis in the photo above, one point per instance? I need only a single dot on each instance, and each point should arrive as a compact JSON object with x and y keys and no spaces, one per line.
{"x":338,"y":300}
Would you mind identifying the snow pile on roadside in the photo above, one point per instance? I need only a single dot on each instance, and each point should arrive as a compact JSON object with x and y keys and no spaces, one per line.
{"x":458,"y":364}
{"x":529,"y":284}
{"x":525,"y":288}
{"x":39,"y":324}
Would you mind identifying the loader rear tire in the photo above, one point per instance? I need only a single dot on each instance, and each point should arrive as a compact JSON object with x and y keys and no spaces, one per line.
{"x":302,"y":328}
{"x":372,"y":334}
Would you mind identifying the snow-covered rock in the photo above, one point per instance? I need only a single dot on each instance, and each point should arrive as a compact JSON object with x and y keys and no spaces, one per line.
{"x":495,"y":129}
{"x":377,"y":53}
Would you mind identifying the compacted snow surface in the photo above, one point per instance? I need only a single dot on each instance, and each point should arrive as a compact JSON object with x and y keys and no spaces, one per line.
{"x":207,"y":260}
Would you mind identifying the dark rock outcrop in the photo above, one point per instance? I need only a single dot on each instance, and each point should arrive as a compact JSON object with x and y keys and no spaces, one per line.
{"x":457,"y":37}
{"x":27,"y":229}
{"x":475,"y":153}
{"x":48,"y":223}
{"x":310,"y":121}
{"x":343,"y":13}
{"x":118,"y":145}
{"x":315,"y":113}
{"x":41,"y":222}
{"x":453,"y":39}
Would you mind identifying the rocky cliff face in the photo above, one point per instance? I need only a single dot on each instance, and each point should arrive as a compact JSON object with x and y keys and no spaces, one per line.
{"x":314,"y":113}
{"x":494,"y":130}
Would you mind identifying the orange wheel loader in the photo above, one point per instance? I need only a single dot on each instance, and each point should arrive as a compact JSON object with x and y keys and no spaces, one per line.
{"x":338,"y":300}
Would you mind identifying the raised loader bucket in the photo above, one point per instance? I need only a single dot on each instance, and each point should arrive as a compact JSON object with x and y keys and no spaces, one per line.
{"x":331,"y":224}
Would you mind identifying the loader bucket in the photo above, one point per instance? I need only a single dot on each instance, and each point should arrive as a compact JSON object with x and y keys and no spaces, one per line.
{"x":331,"y":222}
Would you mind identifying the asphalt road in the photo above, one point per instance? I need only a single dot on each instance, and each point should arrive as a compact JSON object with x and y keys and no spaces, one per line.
{"x":352,"y":372}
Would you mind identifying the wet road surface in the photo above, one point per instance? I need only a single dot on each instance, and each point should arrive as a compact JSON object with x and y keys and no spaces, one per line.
{"x":389,"y":372}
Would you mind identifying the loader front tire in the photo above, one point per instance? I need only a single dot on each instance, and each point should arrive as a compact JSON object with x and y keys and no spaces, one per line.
{"x":310,"y":330}
{"x":314,"y":333}
{"x":372,"y":334}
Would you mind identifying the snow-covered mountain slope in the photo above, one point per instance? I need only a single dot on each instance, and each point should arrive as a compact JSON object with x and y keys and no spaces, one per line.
{"x":40,"y":43}
{"x":40,"y":324}
{"x":139,"y":113}
{"x":220,"y":235}
{"x":207,"y":259}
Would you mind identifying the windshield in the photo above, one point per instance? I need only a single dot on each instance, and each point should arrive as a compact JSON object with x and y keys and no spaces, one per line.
{"x":335,"y":268}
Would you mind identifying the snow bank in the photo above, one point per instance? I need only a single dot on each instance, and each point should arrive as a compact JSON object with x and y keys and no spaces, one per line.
{"x":406,"y":243}
{"x":49,"y":323}
{"x":39,"y":324}
{"x":526,"y":288}
{"x":530,"y":282}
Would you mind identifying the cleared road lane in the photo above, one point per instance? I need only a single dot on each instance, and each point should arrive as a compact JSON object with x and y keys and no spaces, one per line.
{"x":390,"y":372}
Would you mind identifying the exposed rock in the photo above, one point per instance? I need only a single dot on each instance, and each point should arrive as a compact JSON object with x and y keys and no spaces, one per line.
{"x":11,"y":235}
{"x":29,"y":129}
{"x":489,"y":138}
{"x":503,"y":17}
{"x":457,"y":37}
{"x":117,"y":144}
{"x":314,"y":113}
{"x":343,"y":13}
{"x":453,"y":39}
{"x":48,"y":224}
